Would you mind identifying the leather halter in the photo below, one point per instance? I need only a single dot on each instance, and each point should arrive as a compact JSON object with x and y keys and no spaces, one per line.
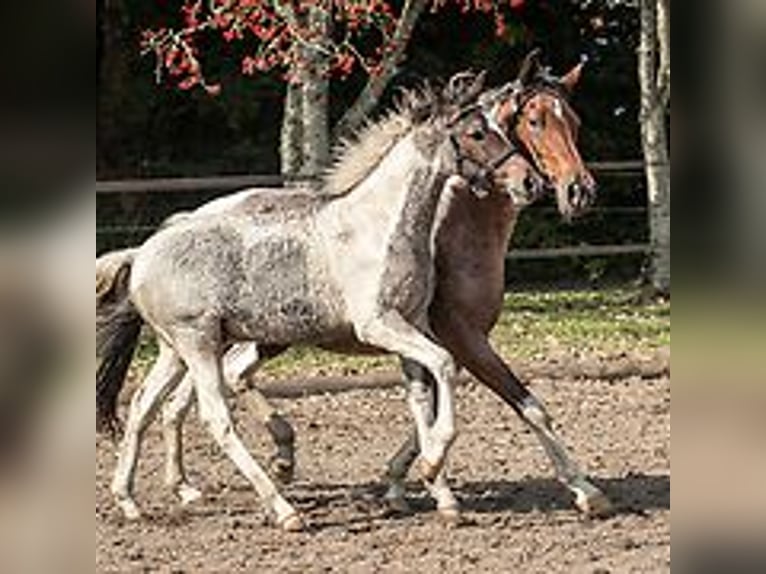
{"x":485,"y":172}
{"x":483,"y":176}
{"x":522,"y":96}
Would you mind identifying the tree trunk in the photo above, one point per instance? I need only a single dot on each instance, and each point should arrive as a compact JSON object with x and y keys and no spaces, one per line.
{"x":291,"y":138}
{"x":305,"y":146}
{"x":663,"y":37}
{"x":315,"y":99}
{"x":655,"y":139}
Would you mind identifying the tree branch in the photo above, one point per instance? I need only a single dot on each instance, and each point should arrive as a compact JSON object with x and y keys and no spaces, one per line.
{"x":377,"y":83}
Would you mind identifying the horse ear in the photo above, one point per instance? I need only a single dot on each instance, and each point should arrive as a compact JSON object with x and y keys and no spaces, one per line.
{"x":570,"y":80}
{"x":473,"y":89}
{"x":463,"y":88}
{"x":530,"y":67}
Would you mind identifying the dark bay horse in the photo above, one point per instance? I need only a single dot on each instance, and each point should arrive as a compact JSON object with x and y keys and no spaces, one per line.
{"x":350,"y":268}
{"x":472,"y":242}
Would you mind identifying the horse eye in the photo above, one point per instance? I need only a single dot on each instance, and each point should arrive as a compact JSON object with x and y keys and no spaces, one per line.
{"x":477,"y":134}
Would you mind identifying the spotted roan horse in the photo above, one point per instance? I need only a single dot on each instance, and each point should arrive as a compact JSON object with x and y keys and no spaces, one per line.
{"x":351,"y":268}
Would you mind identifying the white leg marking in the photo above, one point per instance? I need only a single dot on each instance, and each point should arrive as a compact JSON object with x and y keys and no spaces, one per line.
{"x":173,"y":414}
{"x":393,"y":333}
{"x":588,"y":498}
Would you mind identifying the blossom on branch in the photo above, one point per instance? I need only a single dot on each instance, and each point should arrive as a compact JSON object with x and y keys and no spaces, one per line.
{"x":286,"y":35}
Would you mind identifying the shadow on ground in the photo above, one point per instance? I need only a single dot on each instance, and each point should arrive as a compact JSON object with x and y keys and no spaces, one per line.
{"x":632,"y":494}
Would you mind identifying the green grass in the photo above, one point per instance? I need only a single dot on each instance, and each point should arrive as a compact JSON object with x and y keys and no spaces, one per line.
{"x":604,"y":322}
{"x":533,"y":325}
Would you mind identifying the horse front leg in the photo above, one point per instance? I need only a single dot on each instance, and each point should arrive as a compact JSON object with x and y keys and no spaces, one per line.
{"x":471,"y":347}
{"x":390,"y":331}
{"x":423,"y":404}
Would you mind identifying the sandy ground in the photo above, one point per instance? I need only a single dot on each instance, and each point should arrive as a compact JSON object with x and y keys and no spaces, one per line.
{"x":517,"y":519}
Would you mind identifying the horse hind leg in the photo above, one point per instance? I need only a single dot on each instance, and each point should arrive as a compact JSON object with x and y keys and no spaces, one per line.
{"x":240,"y":364}
{"x":165,"y":374}
{"x":282,"y":462}
{"x":173,"y":415}
{"x":205,"y":368}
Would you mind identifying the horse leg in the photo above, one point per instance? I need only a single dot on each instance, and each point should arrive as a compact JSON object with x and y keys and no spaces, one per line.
{"x":164,"y":375}
{"x":205,"y":368}
{"x":421,"y":397}
{"x":473,"y":350}
{"x":174,"y":413}
{"x":392,"y":332}
{"x":239,"y":363}
{"x":423,"y":404}
{"x":282,"y":462}
{"x":396,"y":473}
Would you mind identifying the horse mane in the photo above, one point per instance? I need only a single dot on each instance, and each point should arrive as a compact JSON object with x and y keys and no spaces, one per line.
{"x":357,"y":155}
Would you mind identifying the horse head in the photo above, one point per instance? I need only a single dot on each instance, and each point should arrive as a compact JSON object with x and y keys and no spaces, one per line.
{"x":534,"y":111}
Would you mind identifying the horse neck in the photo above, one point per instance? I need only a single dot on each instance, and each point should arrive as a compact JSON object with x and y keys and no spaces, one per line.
{"x":403,"y":188}
{"x":491,"y":218}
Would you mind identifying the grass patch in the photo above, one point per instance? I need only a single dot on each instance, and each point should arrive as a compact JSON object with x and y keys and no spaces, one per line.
{"x":604,"y":322}
{"x":533,"y":325}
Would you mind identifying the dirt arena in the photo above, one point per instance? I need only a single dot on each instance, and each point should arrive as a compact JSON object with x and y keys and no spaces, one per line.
{"x":517,"y":519}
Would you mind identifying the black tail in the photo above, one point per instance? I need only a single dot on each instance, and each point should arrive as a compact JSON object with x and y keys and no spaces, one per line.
{"x":116,"y":340}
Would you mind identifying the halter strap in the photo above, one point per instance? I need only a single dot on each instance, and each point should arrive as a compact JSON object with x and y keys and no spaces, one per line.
{"x":524,"y":95}
{"x":486,"y":170}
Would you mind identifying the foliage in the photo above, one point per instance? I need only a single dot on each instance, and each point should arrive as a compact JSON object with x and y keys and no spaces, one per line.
{"x":145,"y":130}
{"x":284,"y":34}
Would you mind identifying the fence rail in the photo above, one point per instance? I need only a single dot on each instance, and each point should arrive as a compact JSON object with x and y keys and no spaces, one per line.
{"x":234,"y":182}
{"x":580,"y":251}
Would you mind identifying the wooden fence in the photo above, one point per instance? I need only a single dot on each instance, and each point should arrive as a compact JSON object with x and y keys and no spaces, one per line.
{"x":223,"y":184}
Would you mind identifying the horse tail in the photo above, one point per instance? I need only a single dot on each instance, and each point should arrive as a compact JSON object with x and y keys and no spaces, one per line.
{"x":110,"y":269}
{"x":110,"y":265}
{"x":117,"y":334}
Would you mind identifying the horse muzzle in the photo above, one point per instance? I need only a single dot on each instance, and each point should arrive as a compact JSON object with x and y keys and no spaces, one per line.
{"x":576,"y":198}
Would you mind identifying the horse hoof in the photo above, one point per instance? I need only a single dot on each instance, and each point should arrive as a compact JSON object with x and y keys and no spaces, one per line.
{"x":129,"y":509}
{"x":398,"y":505}
{"x":594,"y":504}
{"x":429,"y":471}
{"x":282,"y":470}
{"x":451,"y":515}
{"x":188,"y":494}
{"x":293,"y":523}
